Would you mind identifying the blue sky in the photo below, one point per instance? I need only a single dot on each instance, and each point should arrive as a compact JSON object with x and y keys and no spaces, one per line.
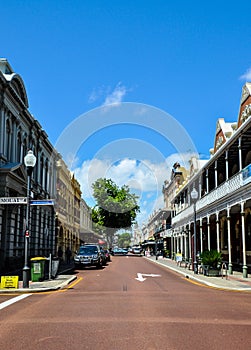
{"x":188,"y":59}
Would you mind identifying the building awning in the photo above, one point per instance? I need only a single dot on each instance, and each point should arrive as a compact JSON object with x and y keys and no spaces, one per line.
{"x":147,"y":243}
{"x":89,"y":236}
{"x":100,"y":241}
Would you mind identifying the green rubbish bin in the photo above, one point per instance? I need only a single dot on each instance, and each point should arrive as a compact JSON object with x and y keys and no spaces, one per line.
{"x":38,"y":268}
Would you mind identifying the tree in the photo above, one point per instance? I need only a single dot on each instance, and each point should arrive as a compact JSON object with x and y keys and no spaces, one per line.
{"x":115,"y":208}
{"x":124,"y":240}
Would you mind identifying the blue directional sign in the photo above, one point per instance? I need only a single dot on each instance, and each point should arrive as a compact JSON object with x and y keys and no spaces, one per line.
{"x":42,"y":202}
{"x":246,"y":174}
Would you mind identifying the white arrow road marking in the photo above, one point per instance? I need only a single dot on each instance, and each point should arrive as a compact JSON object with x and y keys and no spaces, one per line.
{"x":13,"y":300}
{"x":140,"y":277}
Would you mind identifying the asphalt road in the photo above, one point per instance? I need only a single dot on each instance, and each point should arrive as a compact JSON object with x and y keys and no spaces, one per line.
{"x":130,"y":304}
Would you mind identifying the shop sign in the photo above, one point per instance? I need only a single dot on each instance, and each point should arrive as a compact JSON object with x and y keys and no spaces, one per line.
{"x":13,"y":200}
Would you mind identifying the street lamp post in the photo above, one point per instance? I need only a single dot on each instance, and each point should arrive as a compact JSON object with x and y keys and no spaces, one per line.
{"x":194,"y":196}
{"x":30,"y":162}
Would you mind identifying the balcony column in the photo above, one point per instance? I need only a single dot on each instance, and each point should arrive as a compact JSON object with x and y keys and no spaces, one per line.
{"x":208,"y":233}
{"x":207,"y":181}
{"x":181,"y":243}
{"x":240,"y":154}
{"x":200,"y":189}
{"x":189,"y":243}
{"x":175,"y":243}
{"x":217,"y":231}
{"x":215,"y":174}
{"x":244,"y":267}
{"x":185,"y":239}
{"x":201,"y":236}
{"x":172,"y":245}
{"x":230,"y":265}
{"x":178,"y":243}
{"x":226,"y":160}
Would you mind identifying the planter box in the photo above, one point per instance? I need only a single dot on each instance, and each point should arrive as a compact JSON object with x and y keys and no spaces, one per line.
{"x":212,"y":272}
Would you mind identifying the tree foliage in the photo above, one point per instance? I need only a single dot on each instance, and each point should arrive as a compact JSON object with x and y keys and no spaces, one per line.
{"x":115,"y":208}
{"x":124,"y":240}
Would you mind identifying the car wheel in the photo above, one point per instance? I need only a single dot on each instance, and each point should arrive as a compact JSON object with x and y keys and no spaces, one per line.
{"x":99,"y":265}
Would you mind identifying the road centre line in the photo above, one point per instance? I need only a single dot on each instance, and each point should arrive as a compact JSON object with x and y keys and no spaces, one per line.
{"x":13,"y":300}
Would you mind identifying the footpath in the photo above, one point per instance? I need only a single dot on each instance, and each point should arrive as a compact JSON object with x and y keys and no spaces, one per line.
{"x":64,"y":277}
{"x":234,"y":282}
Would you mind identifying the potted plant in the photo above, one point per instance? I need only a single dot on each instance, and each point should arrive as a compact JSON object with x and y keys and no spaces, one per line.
{"x":211,"y":261}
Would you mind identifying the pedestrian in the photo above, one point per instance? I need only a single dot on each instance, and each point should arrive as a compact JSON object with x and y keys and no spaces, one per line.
{"x":60,"y":253}
{"x":68,"y":255}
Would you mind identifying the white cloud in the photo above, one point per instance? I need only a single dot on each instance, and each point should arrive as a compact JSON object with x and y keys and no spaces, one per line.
{"x":110,"y":97}
{"x":159,"y":202}
{"x":247,"y":75}
{"x":71,"y":159}
{"x":88,"y":173}
{"x":98,"y":93}
{"x":116,"y":96}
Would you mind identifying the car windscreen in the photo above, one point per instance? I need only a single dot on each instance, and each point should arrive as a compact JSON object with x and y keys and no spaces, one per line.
{"x":88,"y":250}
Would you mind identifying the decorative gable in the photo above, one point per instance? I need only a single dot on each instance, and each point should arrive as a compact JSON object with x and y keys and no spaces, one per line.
{"x":245,"y":108}
{"x":223,"y":132}
{"x":245,"y":92}
{"x":220,"y":138}
{"x":15,"y":81}
{"x":14,"y":177}
{"x":16,"y":169}
{"x":20,"y":173}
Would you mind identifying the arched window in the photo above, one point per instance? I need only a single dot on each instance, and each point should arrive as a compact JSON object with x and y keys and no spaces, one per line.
{"x":8,"y":140}
{"x":41,"y":170}
{"x":19,"y":148}
{"x":46,"y":175}
{"x":248,"y":231}
{"x":225,"y":235}
{"x":248,"y":158}
{"x":25,"y":149}
{"x":234,"y":169}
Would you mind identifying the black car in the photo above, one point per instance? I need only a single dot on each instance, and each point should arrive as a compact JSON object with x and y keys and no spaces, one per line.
{"x":107,"y":255}
{"x":103,"y":255}
{"x":89,"y":255}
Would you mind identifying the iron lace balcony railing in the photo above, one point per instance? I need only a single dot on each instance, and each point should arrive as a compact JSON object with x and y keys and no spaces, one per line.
{"x":228,"y":187}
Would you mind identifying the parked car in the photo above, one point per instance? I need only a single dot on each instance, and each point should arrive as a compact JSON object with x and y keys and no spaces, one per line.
{"x":89,"y":255}
{"x":119,"y":251}
{"x":108,"y":255}
{"x":136,"y":250}
{"x":104,"y":256}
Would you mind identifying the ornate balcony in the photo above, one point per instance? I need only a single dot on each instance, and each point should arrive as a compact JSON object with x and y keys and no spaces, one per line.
{"x":228,"y":187}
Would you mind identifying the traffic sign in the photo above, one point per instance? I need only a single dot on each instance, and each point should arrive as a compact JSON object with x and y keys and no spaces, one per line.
{"x":13,"y":200}
{"x":42,"y":202}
